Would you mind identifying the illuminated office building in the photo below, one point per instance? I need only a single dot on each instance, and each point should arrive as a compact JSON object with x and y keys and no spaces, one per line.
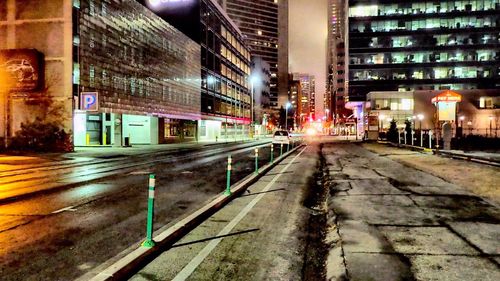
{"x":225,"y":65}
{"x":264,"y":24}
{"x":336,"y":59}
{"x":307,"y":98}
{"x":423,"y":45}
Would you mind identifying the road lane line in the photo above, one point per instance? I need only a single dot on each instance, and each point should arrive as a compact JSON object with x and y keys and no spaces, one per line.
{"x":196,"y":261}
{"x":70,"y":208}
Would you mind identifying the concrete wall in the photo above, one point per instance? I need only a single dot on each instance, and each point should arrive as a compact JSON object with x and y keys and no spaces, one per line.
{"x":45,"y":25}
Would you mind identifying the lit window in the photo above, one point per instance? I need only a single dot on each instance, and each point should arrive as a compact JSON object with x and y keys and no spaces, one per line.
{"x":486,"y":102}
{"x":76,"y":73}
{"x":406,"y":104}
{"x":363,"y":11}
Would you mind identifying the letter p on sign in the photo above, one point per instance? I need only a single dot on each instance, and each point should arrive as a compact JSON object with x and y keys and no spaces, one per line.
{"x":89,"y":101}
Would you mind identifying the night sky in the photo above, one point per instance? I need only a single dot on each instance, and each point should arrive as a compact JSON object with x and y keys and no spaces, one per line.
{"x":307,"y":42}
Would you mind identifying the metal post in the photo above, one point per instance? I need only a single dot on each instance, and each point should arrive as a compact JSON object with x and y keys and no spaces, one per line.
{"x":256,"y":160}
{"x":405,"y":137}
{"x":272,"y":153}
{"x":399,"y":137}
{"x":421,"y":138}
{"x":281,"y":150}
{"x":430,"y":139}
{"x":149,"y":243}
{"x":286,"y":118}
{"x":228,"y":182}
{"x":412,"y":138}
{"x":288,"y":146}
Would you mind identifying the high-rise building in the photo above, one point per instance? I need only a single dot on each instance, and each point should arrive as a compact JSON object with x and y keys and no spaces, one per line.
{"x":295,"y":94}
{"x":307,"y":100}
{"x":264,"y":23}
{"x":225,"y":64}
{"x":336,"y":58}
{"x":423,"y":45}
{"x":260,"y":85}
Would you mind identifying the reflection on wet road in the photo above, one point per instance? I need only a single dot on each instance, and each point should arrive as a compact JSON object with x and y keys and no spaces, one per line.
{"x":88,"y":223}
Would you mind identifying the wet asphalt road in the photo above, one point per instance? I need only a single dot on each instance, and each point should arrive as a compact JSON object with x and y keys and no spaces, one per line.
{"x":63,"y":234}
{"x":342,"y":214}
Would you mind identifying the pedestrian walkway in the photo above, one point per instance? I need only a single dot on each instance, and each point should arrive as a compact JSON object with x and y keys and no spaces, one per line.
{"x":493,"y":156}
{"x":393,"y":222}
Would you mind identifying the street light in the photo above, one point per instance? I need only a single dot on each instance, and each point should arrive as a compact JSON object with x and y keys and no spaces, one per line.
{"x":420,"y":118}
{"x":287,"y":106}
{"x":253,"y":80}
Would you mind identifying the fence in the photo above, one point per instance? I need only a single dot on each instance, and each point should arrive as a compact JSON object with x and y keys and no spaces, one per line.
{"x":460,"y":140}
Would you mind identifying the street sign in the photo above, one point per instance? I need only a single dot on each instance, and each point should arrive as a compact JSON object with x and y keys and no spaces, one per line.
{"x":89,"y":101}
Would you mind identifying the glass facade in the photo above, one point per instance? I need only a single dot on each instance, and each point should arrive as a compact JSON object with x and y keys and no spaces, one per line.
{"x":137,"y":69}
{"x":423,"y":45}
{"x":225,"y":61}
{"x":258,"y":21}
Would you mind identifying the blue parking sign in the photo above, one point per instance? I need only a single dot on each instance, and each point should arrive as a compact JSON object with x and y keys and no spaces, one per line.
{"x":89,"y":101}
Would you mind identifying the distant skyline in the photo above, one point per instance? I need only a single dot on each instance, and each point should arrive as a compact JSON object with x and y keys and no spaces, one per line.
{"x":308,"y":22}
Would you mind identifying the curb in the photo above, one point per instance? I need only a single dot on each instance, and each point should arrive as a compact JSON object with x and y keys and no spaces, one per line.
{"x":131,"y":263}
{"x":444,"y":153}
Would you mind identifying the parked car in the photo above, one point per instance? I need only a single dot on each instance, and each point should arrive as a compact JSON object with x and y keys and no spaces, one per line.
{"x":281,"y":137}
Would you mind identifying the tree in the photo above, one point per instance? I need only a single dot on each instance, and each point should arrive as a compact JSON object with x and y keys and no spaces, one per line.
{"x":408,"y":130}
{"x":393,"y":134}
{"x":46,"y":132}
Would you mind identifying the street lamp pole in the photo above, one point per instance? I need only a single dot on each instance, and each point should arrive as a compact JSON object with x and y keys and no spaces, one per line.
{"x":252,"y":86}
{"x":286,"y":115}
{"x":420,"y":118}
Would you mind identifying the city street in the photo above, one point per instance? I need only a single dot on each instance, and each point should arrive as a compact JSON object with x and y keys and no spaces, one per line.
{"x":69,"y":217}
{"x":337,"y":211}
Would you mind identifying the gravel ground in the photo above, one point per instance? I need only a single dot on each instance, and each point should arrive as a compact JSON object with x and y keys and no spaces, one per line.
{"x":479,"y":179}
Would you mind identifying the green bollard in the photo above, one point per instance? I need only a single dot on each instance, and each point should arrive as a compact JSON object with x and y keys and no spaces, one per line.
{"x":149,"y":243}
{"x":256,"y":161}
{"x":281,"y":150}
{"x":228,"y":182}
{"x":272,"y":153}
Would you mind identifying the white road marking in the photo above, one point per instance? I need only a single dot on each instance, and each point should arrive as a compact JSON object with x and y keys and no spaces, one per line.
{"x":139,"y":173}
{"x":70,"y":208}
{"x":196,"y":261}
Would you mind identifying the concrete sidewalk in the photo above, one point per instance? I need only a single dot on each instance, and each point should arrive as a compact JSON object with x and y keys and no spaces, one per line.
{"x":392,"y":222}
{"x":480,"y":156}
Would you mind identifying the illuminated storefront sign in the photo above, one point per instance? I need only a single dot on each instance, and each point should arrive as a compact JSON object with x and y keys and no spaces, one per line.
{"x":446,"y":103}
{"x":89,"y":101}
{"x":447,"y":96}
